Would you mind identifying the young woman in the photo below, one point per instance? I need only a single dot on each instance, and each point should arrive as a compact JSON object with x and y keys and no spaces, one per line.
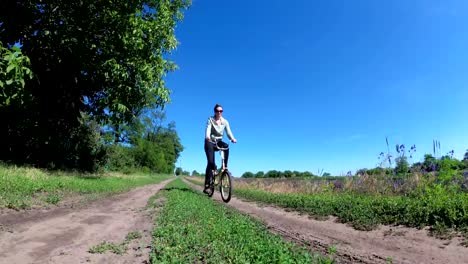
{"x":215,"y":127}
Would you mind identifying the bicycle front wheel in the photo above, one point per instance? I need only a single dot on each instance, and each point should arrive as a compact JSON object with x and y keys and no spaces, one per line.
{"x":225,"y":186}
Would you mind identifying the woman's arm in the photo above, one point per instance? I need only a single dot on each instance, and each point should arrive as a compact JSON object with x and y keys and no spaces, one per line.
{"x":208,"y":130}
{"x":229,"y":132}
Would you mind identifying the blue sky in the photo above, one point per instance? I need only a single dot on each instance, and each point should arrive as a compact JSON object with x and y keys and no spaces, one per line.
{"x":318,"y":85}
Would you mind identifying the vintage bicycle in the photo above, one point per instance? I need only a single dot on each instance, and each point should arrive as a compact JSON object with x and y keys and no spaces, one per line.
{"x":222,"y":178}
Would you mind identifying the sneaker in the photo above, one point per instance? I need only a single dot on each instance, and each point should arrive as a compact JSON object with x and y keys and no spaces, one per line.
{"x":207,"y":189}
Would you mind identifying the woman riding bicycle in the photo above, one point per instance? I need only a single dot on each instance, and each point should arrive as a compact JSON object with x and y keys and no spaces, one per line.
{"x":215,"y":127}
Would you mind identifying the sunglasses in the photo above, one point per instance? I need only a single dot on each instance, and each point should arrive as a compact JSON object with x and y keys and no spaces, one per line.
{"x":218,"y":111}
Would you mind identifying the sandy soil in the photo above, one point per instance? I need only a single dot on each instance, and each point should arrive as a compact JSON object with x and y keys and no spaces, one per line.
{"x":64,"y":235}
{"x":387,"y":244}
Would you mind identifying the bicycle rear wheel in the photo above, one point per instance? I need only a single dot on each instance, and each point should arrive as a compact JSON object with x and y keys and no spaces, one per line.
{"x":225,"y":186}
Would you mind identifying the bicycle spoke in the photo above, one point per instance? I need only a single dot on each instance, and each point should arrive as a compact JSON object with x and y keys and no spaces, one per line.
{"x":226,"y":186}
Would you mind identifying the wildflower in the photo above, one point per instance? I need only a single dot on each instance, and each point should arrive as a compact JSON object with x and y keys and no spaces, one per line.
{"x":337,"y":185}
{"x":381,"y":155}
{"x":397,"y":183}
{"x":450,"y":153}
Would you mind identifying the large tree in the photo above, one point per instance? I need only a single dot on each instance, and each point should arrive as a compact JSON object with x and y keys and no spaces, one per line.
{"x":93,"y":61}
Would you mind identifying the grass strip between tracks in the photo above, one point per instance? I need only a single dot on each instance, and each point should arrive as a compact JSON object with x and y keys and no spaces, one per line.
{"x":192,"y":228}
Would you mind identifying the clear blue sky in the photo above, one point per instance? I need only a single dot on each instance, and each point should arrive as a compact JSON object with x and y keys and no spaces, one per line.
{"x":312,"y":85}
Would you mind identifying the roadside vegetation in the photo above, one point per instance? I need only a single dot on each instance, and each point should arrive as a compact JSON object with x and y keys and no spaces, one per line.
{"x":22,"y":187}
{"x":441,"y":206}
{"x":82,"y":104}
{"x":432,"y":206}
{"x":191,"y":228}
{"x":432,"y":194}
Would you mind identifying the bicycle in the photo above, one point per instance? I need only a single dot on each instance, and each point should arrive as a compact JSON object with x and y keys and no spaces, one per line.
{"x":221,"y":177}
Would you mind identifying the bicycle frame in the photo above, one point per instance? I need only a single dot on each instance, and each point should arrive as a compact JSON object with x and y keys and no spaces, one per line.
{"x":221,"y":153}
{"x":217,"y":172}
{"x":221,"y":176}
{"x":223,"y":165}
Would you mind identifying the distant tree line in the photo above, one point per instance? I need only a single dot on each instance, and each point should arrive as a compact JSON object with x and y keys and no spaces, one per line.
{"x":400,"y":168}
{"x":284,"y":174}
{"x":429,"y":164}
{"x":181,"y":172}
{"x":196,"y":173}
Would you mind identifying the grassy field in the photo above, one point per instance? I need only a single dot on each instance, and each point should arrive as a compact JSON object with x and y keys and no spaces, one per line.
{"x":443,"y":208}
{"x":191,"y":228}
{"x":28,"y":187}
{"x":365,"y":212}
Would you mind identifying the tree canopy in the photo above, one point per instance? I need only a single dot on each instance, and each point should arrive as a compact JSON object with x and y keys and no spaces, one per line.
{"x":94,"y":64}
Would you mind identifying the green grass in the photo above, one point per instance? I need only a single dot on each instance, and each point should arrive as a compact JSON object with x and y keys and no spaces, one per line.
{"x":22,"y":188}
{"x":195,"y":180}
{"x":191,"y":228}
{"x":433,"y":207}
{"x":118,"y":249}
{"x":444,"y":208}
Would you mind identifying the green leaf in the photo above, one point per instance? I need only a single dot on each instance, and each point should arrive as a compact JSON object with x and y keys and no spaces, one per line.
{"x":10,"y":67}
{"x":8,"y":82}
{"x":122,"y":108}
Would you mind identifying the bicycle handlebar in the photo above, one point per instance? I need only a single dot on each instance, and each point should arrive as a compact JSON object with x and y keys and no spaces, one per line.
{"x":217,"y":145}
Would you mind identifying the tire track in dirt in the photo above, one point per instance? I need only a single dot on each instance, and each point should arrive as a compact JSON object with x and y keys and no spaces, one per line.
{"x":65,"y":235}
{"x":395,"y":244}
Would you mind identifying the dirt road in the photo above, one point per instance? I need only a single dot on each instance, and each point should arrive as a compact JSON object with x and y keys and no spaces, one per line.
{"x":384,"y":245}
{"x":65,"y":235}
